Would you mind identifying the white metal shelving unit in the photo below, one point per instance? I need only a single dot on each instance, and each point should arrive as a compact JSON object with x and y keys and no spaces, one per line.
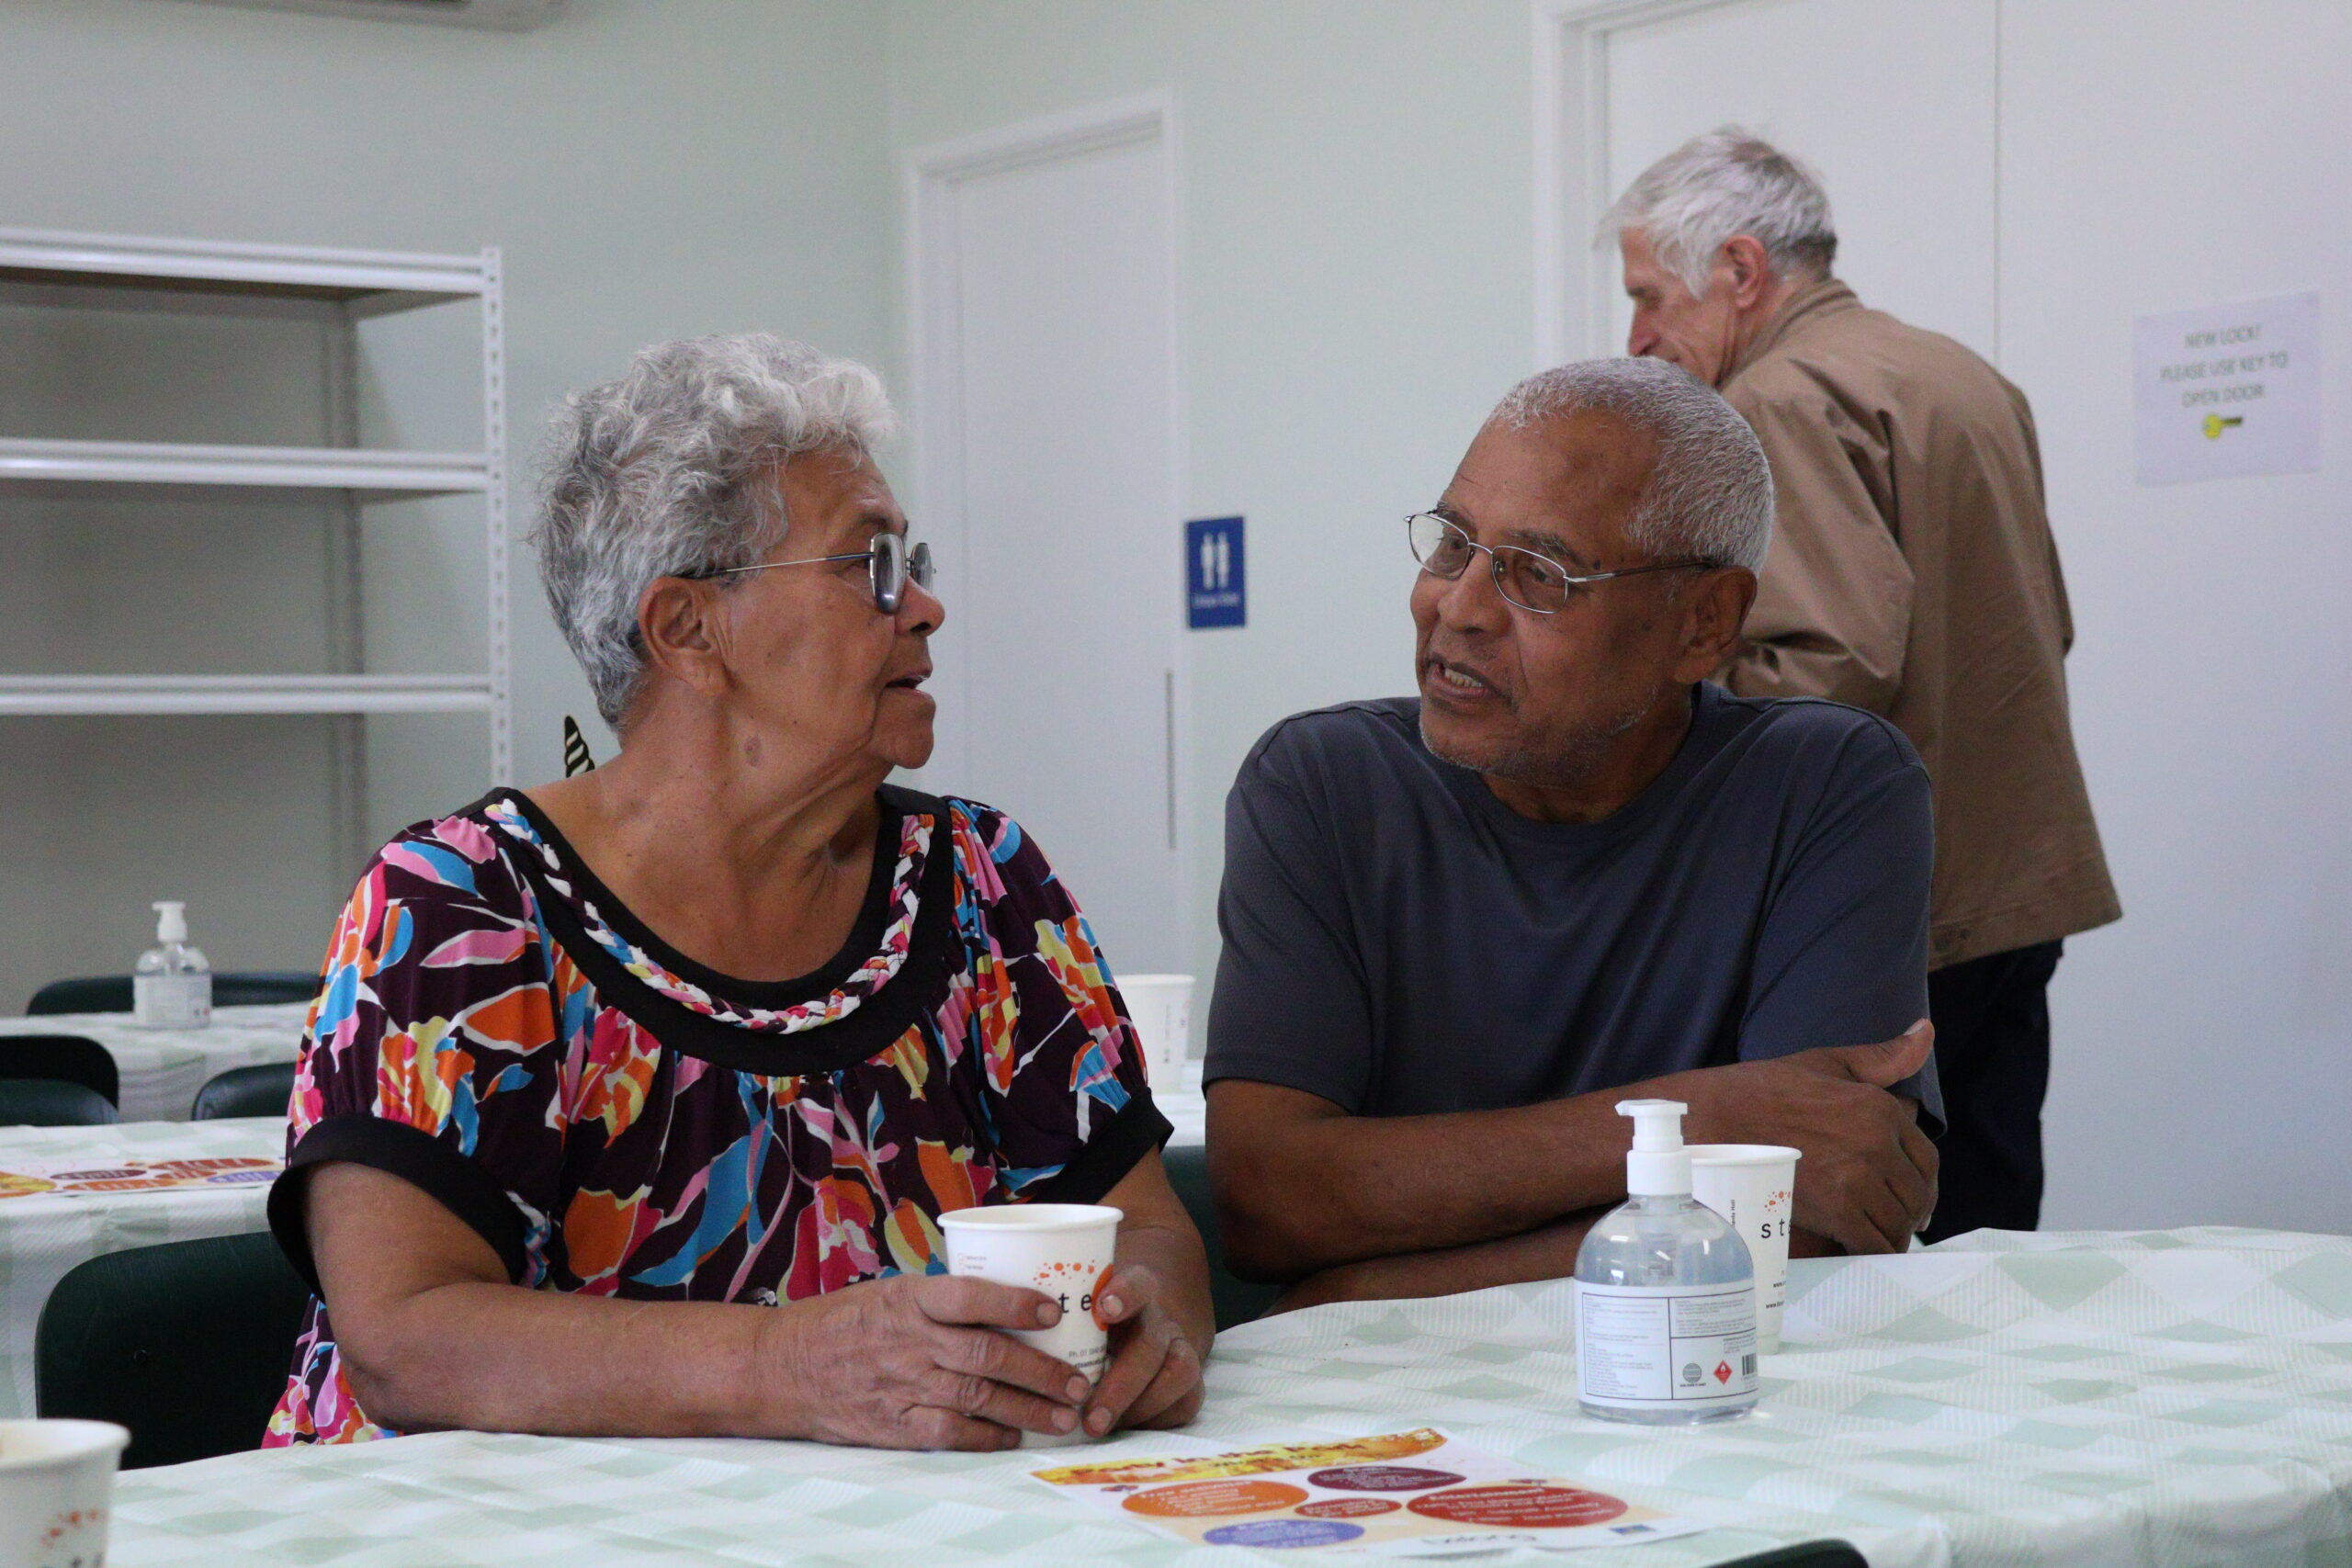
{"x":341,"y":289}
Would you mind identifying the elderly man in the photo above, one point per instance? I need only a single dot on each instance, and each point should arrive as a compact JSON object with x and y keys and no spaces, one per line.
{"x":1913,"y":574}
{"x":1459,"y":927}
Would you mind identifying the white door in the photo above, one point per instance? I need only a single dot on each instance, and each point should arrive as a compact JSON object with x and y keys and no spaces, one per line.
{"x":1045,"y":422}
{"x":1892,"y":105}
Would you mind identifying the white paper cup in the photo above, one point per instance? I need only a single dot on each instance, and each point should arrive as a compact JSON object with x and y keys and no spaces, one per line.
{"x":1161,"y":1007}
{"x":56,"y":1491}
{"x":1753,"y":1185}
{"x":1062,"y":1250}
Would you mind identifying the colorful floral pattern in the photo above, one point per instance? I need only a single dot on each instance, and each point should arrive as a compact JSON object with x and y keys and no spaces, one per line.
{"x":640,"y":1171}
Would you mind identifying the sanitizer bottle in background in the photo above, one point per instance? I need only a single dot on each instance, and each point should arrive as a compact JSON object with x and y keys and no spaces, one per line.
{"x":172,"y":988}
{"x":1666,"y":1293}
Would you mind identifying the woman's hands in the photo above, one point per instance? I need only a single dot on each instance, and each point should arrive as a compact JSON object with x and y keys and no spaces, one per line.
{"x":915,"y":1361}
{"x":1154,"y":1376}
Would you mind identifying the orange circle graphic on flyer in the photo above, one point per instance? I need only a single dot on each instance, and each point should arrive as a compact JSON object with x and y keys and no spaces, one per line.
{"x":1519,"y":1507}
{"x":1205,"y":1499}
{"x":1347,"y":1508}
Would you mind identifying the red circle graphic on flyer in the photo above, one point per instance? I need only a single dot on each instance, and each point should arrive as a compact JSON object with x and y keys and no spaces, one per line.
{"x":1520,"y":1507}
{"x":1346,"y":1508}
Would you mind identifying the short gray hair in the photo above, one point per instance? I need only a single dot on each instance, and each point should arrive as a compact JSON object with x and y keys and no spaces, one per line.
{"x":664,"y":473}
{"x":1729,"y":182}
{"x":1709,"y":495}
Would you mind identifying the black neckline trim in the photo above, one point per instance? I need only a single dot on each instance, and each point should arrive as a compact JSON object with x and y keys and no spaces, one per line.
{"x":864,"y":937}
{"x":933,"y":955}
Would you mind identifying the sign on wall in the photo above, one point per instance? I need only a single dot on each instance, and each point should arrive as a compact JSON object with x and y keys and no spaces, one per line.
{"x":2229,"y":390}
{"x":1216,"y":587}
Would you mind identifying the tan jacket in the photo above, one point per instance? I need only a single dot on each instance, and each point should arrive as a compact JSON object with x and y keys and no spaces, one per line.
{"x":1912,"y":572}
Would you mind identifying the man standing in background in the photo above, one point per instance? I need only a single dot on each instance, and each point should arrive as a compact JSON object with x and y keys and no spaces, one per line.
{"x":1911,"y":573}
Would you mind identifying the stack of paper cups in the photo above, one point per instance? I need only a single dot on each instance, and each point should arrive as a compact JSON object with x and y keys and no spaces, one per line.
{"x":1061,"y":1250}
{"x":1753,"y":1185}
{"x":1161,"y":1007}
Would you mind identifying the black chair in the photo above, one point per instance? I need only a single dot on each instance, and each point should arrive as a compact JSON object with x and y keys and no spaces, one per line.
{"x":111,"y":993}
{"x":186,"y":1344}
{"x":68,"y":1058}
{"x":49,"y":1102}
{"x":1808,"y":1554}
{"x":1237,"y":1300}
{"x":245,"y":1091}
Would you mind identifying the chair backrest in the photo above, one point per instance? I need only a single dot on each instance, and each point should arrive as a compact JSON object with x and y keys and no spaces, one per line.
{"x":51,"y":1102}
{"x":1237,"y":1300}
{"x":186,"y":1344}
{"x":68,"y":1058}
{"x":245,"y":1091}
{"x":1806,"y":1555}
{"x":231,"y":989}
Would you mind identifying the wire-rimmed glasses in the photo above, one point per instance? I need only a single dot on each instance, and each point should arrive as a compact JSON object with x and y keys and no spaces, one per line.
{"x":890,"y":565}
{"x":1533,"y":582}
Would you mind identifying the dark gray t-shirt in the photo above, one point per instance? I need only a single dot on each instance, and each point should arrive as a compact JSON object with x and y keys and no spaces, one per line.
{"x":1400,"y":942}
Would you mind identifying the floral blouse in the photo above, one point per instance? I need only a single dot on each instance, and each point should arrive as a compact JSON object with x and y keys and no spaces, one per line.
{"x":614,"y":1119}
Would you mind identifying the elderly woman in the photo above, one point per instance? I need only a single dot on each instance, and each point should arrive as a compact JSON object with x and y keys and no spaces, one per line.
{"x":630,"y":1102}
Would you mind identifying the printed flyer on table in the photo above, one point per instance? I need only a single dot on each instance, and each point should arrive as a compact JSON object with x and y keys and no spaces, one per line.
{"x":67,"y":1178}
{"x":1418,"y":1493}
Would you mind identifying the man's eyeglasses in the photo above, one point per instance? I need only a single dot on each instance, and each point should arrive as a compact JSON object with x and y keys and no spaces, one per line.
{"x":890,"y":564}
{"x":1534,"y":583}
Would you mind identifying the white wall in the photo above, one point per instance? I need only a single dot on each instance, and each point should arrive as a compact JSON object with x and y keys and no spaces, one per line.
{"x":2157,"y":155}
{"x":650,"y":170}
{"x":1354,"y":293}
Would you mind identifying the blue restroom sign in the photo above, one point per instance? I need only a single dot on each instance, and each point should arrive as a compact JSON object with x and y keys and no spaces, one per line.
{"x":1216,"y":587}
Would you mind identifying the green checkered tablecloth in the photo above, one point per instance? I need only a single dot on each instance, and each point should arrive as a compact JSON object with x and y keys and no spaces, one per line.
{"x":2175,"y":1398}
{"x":163,"y":1068}
{"x":42,"y":1236}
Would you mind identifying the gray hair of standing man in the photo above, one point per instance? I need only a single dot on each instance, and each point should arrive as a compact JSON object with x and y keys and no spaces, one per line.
{"x":667,"y":471}
{"x":1709,"y":494}
{"x":1729,"y":182}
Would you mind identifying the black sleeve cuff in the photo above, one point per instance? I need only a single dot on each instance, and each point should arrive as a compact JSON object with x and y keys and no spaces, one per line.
{"x":417,"y":1158}
{"x":1109,"y":1154}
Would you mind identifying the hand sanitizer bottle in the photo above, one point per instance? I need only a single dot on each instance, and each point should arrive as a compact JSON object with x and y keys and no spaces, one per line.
{"x":172,"y":988}
{"x":1666,"y":1293}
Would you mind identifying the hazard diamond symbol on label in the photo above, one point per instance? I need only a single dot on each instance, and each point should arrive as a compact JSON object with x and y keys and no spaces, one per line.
{"x":1723,"y":1372}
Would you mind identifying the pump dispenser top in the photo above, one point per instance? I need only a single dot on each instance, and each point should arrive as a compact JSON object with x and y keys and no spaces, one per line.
{"x":171,"y":920}
{"x":1658,"y":1166}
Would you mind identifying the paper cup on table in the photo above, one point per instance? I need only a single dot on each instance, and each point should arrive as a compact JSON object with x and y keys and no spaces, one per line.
{"x":1062,"y":1250}
{"x":56,"y":1491}
{"x":1161,"y":1005}
{"x":1753,"y":1185}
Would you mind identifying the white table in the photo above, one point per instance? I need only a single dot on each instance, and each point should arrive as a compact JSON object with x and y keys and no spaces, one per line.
{"x":1185,"y":1107}
{"x":2167,"y":1400}
{"x":42,"y":1237}
{"x":163,"y":1068}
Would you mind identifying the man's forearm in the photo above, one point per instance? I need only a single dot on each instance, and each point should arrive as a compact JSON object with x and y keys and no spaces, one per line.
{"x":1549,"y":1253}
{"x":1303,"y":1192}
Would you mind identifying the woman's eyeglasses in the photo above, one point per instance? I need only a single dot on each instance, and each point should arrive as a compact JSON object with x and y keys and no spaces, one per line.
{"x":1534,"y":583}
{"x":890,"y":564}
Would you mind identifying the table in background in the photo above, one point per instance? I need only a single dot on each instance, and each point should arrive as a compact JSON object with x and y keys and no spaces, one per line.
{"x":1185,"y":1107}
{"x":2165,"y":1399}
{"x":163,"y":1068}
{"x":44,"y":1236}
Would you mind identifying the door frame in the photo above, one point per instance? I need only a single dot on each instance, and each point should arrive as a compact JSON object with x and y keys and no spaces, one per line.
{"x":931,"y":272}
{"x":1572,"y":278}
